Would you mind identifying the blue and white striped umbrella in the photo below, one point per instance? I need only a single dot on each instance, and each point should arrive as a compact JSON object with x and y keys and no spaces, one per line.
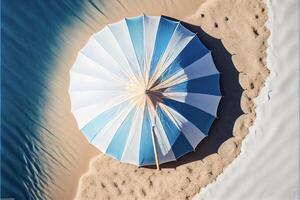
{"x":142,"y":72}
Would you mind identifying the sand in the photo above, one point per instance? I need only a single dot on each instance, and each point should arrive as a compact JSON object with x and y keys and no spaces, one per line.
{"x":268,"y":166}
{"x":240,"y":24}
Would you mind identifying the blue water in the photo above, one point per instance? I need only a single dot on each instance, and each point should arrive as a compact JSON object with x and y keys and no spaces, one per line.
{"x":30,"y":42}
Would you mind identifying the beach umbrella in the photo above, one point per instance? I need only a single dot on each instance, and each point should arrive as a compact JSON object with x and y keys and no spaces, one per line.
{"x":144,"y":90}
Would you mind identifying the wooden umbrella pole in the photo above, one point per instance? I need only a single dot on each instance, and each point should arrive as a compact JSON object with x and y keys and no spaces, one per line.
{"x":151,"y":106}
{"x":155,"y":149}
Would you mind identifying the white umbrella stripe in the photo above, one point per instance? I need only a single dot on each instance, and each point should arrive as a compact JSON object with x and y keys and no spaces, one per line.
{"x":87,"y":113}
{"x":99,"y":56}
{"x":179,"y":40}
{"x":80,"y":82}
{"x":126,"y":45}
{"x":190,"y":131}
{"x":150,"y":31}
{"x":86,"y":98}
{"x":108,"y":41}
{"x":190,"y":72}
{"x":104,"y":137}
{"x":205,"y":102}
{"x":87,"y":66}
{"x":132,"y":147}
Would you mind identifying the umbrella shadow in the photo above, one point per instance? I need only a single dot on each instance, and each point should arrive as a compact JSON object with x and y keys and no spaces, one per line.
{"x":229,"y":108}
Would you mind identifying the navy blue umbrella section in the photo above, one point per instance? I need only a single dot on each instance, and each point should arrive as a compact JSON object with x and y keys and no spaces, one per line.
{"x":144,"y":90}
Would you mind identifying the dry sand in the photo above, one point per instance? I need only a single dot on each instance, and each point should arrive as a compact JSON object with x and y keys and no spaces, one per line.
{"x":240,"y":24}
{"x":268,"y":165}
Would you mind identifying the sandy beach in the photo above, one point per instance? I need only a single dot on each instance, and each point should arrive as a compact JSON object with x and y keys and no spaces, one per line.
{"x":239,"y":26}
{"x":233,"y":77}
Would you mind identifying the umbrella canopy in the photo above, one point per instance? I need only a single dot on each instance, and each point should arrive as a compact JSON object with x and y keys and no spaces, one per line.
{"x":139,"y":73}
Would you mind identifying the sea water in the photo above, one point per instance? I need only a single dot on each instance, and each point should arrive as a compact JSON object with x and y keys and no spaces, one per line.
{"x":31,"y":40}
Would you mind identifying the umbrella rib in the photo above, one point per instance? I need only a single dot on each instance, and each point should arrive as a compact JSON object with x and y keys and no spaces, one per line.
{"x":112,"y":124}
{"x":162,"y":67}
{"x":180,"y":76}
{"x":153,"y":135}
{"x":130,"y":67}
{"x":106,"y":70}
{"x":126,"y":70}
{"x":160,"y":59}
{"x":170,"y":96}
{"x":139,"y":117}
{"x":173,"y":118}
{"x":177,"y":121}
{"x":149,"y":43}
